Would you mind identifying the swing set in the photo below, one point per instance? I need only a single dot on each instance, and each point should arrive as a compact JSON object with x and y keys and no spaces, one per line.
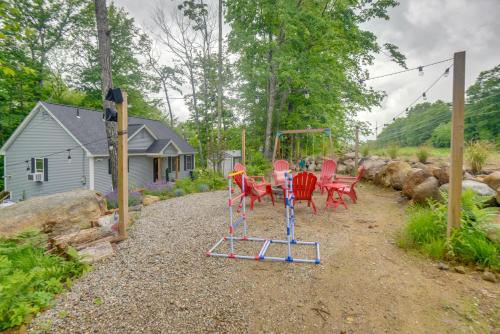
{"x":280,"y":135}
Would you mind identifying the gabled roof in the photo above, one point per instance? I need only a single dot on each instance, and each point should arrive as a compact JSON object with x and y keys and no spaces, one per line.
{"x":89,"y":127}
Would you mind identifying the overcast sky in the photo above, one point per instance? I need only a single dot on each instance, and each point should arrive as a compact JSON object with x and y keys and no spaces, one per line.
{"x":425,"y":31}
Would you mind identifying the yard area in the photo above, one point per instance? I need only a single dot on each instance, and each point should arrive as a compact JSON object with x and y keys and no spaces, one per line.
{"x":160,"y":280}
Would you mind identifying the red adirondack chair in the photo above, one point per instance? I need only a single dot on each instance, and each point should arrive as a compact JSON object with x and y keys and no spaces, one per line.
{"x":280,"y":168}
{"x":350,"y":183}
{"x":258,"y":179}
{"x":254,"y":190}
{"x":327,"y":173}
{"x":304,"y":184}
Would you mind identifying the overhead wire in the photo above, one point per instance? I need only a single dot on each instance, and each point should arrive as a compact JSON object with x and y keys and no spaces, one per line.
{"x":407,"y":70}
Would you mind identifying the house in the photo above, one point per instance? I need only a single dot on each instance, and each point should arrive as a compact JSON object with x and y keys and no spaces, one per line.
{"x":230,"y":158}
{"x":58,"y":148}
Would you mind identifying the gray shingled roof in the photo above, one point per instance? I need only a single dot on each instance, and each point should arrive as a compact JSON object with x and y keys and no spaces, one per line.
{"x":90,"y":127}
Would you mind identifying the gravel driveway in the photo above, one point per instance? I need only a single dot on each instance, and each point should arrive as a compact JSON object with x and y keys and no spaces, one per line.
{"x":160,"y":280}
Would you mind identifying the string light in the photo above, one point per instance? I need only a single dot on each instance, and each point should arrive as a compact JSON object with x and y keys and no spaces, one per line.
{"x":257,"y":100}
{"x":447,"y":72}
{"x":408,"y":70}
{"x":421,"y":71}
{"x":424,"y":96}
{"x":306,"y":95}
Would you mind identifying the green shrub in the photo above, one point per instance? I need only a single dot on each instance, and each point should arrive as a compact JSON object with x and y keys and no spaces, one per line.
{"x":365,"y":150}
{"x":29,"y":278}
{"x":425,"y":231}
{"x":393,"y":151}
{"x":423,"y":153}
{"x":258,"y":164}
{"x":179,"y":192}
{"x":477,"y":153}
{"x":202,"y":187}
{"x":441,"y":136}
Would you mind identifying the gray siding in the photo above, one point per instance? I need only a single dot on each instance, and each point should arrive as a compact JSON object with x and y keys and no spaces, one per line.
{"x":140,"y":173}
{"x":43,"y":136}
{"x":182,"y":172}
{"x":102,"y":179}
{"x":142,"y":139}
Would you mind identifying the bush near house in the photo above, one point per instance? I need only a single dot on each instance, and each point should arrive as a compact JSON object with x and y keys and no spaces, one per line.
{"x":425,"y":231}
{"x":29,"y":278}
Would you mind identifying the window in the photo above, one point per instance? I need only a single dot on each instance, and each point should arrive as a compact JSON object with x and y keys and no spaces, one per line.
{"x":38,"y":165}
{"x":188,"y":162}
{"x":170,"y":164}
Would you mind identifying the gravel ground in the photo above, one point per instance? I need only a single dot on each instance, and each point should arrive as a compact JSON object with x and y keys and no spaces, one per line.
{"x":159,"y":281}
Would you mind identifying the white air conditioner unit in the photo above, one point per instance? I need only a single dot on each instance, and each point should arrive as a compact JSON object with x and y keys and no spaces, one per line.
{"x":37,"y":177}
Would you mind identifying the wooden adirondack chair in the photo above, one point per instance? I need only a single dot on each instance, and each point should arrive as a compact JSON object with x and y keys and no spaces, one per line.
{"x":280,"y":168}
{"x":304,"y":184}
{"x":327,"y":173}
{"x":350,"y":183}
{"x":254,"y":190}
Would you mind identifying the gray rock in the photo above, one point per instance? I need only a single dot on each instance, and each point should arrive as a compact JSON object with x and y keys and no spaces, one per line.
{"x":426,"y":190}
{"x":489,"y":276}
{"x":443,"y":266}
{"x":414,"y":177}
{"x":459,"y":269}
{"x":372,"y":167}
{"x":393,"y":174}
{"x":478,"y":187}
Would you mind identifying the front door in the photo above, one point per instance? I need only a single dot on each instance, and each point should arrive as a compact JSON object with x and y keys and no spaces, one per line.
{"x":155,"y":169}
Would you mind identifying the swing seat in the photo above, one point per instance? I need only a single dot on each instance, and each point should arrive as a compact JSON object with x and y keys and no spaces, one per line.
{"x":280,"y":168}
{"x":327,"y":174}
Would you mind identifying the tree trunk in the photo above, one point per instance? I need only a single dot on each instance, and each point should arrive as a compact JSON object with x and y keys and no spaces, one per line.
{"x":197,"y":116}
{"x":104,"y":41}
{"x":168,"y":103}
{"x":270,"y":102}
{"x":219,"y":84}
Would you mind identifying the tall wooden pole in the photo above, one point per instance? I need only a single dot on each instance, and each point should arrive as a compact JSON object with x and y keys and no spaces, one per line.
{"x":243,"y":146}
{"x":356,"y":150}
{"x":122,"y":166}
{"x":457,"y":142}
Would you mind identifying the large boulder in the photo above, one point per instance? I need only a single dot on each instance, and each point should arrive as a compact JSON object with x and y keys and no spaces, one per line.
{"x":442,"y":174}
{"x":67,"y":211}
{"x":479,"y":188}
{"x":497,"y":197}
{"x":426,"y":190}
{"x":414,"y":177}
{"x":419,"y":165}
{"x":350,"y":165}
{"x":393,"y":174}
{"x":492,"y":229}
{"x":493,"y":180}
{"x":372,"y":167}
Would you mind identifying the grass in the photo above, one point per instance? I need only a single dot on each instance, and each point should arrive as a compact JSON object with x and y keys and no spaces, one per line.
{"x":30,"y":278}
{"x":425,"y":231}
{"x":423,"y":153}
{"x":477,"y":154}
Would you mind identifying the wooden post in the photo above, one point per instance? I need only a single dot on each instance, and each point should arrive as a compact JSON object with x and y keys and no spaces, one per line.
{"x":457,"y":142}
{"x":158,"y":169}
{"x":276,"y":140}
{"x":356,"y":150}
{"x":243,"y":146}
{"x":122,"y":166}
{"x":177,"y":168}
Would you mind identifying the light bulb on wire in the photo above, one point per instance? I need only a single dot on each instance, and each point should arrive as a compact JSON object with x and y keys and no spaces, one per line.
{"x":421,"y":71}
{"x":424,"y":96}
{"x":447,"y":72}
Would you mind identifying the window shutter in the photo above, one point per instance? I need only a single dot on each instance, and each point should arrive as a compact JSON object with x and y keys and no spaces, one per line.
{"x":185,"y":162}
{"x":45,"y":169}
{"x":109,"y":166}
{"x":32,"y":165}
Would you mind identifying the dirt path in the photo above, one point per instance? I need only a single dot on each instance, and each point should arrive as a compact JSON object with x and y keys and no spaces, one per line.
{"x":161,"y":282}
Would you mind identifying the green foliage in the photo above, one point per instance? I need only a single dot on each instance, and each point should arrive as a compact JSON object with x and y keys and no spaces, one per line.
{"x":392,"y":151}
{"x":477,"y":153}
{"x":179,"y":192}
{"x":425,"y":230}
{"x":29,"y":279}
{"x":423,"y":153}
{"x":257,"y":164}
{"x":441,"y":136}
{"x":365,"y":150}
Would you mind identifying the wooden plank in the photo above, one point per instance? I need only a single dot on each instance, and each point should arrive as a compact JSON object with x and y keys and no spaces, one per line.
{"x":302,"y":131}
{"x":457,"y":142}
{"x":122,"y":166}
